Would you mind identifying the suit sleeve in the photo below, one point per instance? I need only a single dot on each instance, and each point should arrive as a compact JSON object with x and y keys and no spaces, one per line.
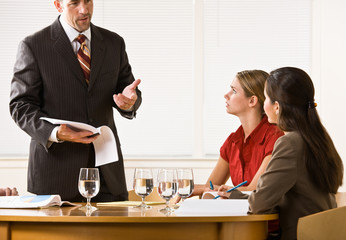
{"x":25,"y":97}
{"x":279,"y":178}
{"x":125,"y":79}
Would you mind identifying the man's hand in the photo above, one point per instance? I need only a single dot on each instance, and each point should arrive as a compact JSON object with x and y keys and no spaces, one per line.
{"x":128,"y":97}
{"x":8,"y":192}
{"x":70,"y":135}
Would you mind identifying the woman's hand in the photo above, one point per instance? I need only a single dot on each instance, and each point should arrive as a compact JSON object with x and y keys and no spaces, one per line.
{"x":222,"y":191}
{"x":198,"y":190}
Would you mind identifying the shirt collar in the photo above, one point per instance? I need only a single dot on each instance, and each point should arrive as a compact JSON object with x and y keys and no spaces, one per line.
{"x":71,"y":32}
{"x":257,"y":134}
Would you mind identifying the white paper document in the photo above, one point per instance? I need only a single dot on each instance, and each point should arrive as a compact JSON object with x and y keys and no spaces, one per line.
{"x":211,"y":207}
{"x":32,"y":201}
{"x":105,"y":145}
{"x":213,"y":194}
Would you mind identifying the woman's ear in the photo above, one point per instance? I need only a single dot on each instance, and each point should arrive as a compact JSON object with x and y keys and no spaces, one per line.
{"x":253,"y":101}
{"x":276,"y":107}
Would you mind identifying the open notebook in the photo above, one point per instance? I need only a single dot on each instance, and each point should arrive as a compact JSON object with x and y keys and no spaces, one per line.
{"x":32,"y":201}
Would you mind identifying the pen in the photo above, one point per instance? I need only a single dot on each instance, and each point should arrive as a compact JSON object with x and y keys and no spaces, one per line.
{"x":240,"y":184}
{"x":211,"y":185}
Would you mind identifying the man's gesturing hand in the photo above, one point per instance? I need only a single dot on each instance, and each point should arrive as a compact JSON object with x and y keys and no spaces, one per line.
{"x":128,"y":97}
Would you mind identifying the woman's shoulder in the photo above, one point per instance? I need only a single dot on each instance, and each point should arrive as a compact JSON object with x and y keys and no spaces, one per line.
{"x":293,"y":136}
{"x":271,"y":129}
{"x":291,"y":140}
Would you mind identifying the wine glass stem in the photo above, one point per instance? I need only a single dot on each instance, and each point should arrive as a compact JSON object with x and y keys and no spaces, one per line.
{"x":167,"y":204}
{"x":88,"y":205}
{"x":143,"y":201}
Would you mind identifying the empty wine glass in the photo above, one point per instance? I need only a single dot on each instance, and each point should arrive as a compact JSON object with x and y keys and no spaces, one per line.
{"x":143,"y":184}
{"x":185,"y":182}
{"x":167,"y":179}
{"x":89,"y":185}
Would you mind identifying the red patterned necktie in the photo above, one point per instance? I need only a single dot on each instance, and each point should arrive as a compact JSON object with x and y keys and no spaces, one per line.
{"x":83,"y":56}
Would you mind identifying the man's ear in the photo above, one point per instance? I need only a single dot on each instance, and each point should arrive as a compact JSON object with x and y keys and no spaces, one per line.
{"x":58,"y":6}
{"x":253,"y":101}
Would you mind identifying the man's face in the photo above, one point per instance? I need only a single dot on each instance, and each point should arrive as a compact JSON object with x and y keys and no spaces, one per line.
{"x":77,"y":13}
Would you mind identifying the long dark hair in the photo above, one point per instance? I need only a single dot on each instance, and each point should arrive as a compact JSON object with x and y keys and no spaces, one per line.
{"x":293,"y":89}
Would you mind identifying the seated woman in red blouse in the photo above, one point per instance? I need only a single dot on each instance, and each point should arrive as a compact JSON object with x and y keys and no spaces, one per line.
{"x":8,"y":192}
{"x":246,"y":152}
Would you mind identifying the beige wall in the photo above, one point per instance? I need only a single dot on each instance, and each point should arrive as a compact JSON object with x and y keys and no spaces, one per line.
{"x":328,"y":64}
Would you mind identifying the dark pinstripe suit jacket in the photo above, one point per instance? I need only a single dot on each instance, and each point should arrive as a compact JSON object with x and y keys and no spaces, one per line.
{"x":48,"y":81}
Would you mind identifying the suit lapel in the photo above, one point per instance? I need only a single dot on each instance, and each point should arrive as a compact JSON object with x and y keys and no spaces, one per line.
{"x":97,"y":55}
{"x":63,"y":47}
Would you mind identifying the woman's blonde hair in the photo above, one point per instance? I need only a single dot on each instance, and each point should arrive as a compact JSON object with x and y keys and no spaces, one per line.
{"x":252,"y":82}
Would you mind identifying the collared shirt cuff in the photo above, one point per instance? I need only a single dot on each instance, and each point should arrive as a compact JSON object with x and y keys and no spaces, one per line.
{"x":130,"y":109}
{"x":53,"y":136}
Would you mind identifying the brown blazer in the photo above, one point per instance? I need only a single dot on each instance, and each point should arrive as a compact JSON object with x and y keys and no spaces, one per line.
{"x":286,"y":187}
{"x":48,"y":81}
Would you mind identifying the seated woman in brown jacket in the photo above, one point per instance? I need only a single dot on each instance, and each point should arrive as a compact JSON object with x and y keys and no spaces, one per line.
{"x":305,"y":171}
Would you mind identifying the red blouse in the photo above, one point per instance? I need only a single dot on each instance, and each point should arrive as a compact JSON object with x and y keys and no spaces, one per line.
{"x":245,"y":158}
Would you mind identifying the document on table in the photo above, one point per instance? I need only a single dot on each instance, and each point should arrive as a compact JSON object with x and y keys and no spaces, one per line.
{"x":105,"y":145}
{"x":211,"y":207}
{"x":32,"y":201}
{"x":213,"y":194}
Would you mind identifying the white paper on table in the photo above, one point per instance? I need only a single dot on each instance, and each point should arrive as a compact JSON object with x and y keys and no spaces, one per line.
{"x":32,"y":201}
{"x":211,"y":207}
{"x":213,"y":194}
{"x":105,"y":145}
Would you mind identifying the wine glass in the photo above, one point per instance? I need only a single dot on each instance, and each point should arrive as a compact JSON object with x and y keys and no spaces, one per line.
{"x":89,"y":185}
{"x":167,"y":179}
{"x":143,"y":184}
{"x":185,"y":182}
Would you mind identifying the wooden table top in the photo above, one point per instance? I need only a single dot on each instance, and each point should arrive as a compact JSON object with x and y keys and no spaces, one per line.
{"x":111,"y":214}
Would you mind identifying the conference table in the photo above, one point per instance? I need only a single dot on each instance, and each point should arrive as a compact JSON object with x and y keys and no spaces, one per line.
{"x":114,"y":222}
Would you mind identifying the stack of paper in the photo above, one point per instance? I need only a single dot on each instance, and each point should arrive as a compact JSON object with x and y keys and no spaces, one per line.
{"x":211,"y":207}
{"x":32,"y":201}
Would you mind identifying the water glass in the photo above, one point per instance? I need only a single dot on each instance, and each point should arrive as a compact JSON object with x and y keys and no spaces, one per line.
{"x":143,"y":184}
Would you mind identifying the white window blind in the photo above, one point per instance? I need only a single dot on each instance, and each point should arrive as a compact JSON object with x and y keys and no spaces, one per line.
{"x":243,"y":35}
{"x":18,"y":19}
{"x":159,"y":35}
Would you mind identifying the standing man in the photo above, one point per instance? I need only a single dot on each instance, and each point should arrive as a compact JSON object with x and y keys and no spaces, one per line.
{"x":72,"y":70}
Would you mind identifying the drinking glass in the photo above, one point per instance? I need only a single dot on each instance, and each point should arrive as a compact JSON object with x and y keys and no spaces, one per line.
{"x":143,"y":184}
{"x":89,"y":185}
{"x":167,"y":179}
{"x":185,"y":182}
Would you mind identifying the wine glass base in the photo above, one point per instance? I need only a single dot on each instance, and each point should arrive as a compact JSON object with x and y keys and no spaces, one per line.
{"x":166,"y":210}
{"x":88,"y":210}
{"x":142,"y":205}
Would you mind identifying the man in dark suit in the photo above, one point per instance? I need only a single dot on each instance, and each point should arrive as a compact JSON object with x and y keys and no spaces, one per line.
{"x":49,"y":81}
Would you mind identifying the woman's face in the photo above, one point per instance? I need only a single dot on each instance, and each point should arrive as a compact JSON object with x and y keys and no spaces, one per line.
{"x":270,"y":108}
{"x":236,"y":100}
